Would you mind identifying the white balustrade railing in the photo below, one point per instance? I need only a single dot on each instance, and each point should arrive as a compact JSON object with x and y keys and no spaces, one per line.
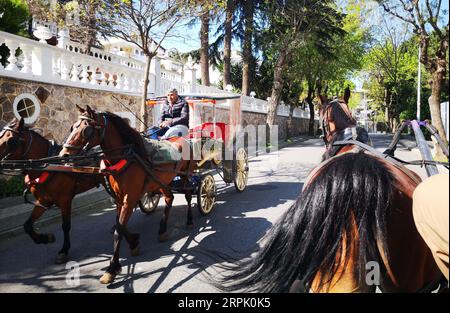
{"x":283,"y":110}
{"x":212,"y":89}
{"x":251,"y":104}
{"x":45,"y":63}
{"x":181,"y":87}
{"x":254,"y":105}
{"x":171,"y":76}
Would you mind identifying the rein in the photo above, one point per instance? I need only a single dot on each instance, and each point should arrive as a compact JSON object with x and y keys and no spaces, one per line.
{"x":394,"y":161}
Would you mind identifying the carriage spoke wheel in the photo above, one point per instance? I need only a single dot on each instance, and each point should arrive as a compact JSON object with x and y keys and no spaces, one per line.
{"x":206,"y":196}
{"x":149,"y":202}
{"x":241,"y":171}
{"x":217,"y":160}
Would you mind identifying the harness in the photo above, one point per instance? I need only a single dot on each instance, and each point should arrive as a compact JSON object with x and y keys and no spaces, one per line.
{"x":14,"y":143}
{"x":88,"y":132}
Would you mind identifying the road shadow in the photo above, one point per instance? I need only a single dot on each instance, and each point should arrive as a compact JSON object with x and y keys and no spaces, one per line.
{"x":228,"y":230}
{"x":234,"y":228}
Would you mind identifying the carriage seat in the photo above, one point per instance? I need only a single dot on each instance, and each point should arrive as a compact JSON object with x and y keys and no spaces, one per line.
{"x":161,"y":151}
{"x":206,"y":130}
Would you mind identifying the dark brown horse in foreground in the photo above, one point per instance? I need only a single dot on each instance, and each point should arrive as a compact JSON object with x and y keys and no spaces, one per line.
{"x":18,"y":142}
{"x":350,"y":230}
{"x":123,"y":146}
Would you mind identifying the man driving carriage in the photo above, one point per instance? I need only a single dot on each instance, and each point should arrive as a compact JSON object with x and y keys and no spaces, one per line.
{"x":174,"y":120}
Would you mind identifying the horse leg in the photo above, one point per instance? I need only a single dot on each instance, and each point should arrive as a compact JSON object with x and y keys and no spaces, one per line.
{"x":29,"y":226}
{"x":168,"y":198}
{"x":120,"y":231}
{"x":66,"y":211}
{"x":188,"y":196}
{"x":131,"y":238}
{"x":114,"y":267}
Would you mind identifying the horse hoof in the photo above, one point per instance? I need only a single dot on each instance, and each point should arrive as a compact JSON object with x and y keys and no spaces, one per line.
{"x":51,"y":238}
{"x":107,"y":278}
{"x":61,"y":258}
{"x":136,"y":251}
{"x":163,"y":237}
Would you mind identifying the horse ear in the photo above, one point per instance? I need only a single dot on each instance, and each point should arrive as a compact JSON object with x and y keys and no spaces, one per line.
{"x":90,"y":111}
{"x":80,"y":109}
{"x":346,"y":94}
{"x":323,"y":100}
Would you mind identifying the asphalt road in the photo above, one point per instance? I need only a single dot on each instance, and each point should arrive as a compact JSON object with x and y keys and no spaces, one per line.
{"x":237,"y":223}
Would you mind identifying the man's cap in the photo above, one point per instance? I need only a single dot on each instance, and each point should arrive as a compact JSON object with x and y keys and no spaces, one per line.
{"x":172,"y":90}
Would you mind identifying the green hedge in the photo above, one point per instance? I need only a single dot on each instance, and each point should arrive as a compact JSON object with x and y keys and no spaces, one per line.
{"x":11,"y":187}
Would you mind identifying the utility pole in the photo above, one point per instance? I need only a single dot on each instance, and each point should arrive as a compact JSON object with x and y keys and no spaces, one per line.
{"x":418,"y":81}
{"x":418,"y":88}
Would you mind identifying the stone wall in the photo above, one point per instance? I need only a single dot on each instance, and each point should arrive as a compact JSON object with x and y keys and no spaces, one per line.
{"x":58,"y":110}
{"x":299,"y":126}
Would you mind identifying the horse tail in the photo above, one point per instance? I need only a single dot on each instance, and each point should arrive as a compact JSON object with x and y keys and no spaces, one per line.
{"x":352,"y":189}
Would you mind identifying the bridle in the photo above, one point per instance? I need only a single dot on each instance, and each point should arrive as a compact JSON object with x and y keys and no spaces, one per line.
{"x":327,"y":136}
{"x":14,"y":143}
{"x":88,"y":132}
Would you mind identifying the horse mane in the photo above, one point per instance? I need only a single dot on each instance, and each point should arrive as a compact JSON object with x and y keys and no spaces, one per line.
{"x":128,"y":134}
{"x":340,"y":117}
{"x":353,"y":187}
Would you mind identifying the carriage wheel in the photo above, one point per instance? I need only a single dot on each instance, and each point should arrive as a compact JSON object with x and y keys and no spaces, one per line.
{"x":206,"y":195}
{"x":149,"y":202}
{"x":241,"y":170}
{"x":216,"y":160}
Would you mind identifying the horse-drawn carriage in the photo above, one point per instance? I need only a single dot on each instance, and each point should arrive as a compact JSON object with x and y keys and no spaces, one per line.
{"x":218,"y":147}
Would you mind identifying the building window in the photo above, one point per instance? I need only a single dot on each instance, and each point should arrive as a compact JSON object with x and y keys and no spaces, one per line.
{"x":27,"y":106}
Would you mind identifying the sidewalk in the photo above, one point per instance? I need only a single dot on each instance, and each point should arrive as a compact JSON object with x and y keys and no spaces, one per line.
{"x":14,"y":212}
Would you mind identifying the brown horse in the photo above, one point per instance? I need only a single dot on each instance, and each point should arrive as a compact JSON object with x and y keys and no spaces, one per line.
{"x":338,"y":124}
{"x":350,"y":230}
{"x":18,"y":142}
{"x":124,"y":147}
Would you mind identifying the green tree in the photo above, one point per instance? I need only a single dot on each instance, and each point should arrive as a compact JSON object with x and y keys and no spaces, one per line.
{"x":14,"y":17}
{"x":143,"y":23}
{"x":391,"y":65}
{"x":427,"y":19}
{"x":290,"y":23}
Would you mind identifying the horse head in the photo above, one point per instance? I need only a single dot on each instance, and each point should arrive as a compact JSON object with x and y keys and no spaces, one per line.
{"x":335,"y":115}
{"x":13,"y":141}
{"x":88,"y":131}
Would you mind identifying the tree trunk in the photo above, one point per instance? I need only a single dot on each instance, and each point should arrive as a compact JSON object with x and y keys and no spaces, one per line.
{"x":144,"y":113}
{"x":289,"y":126}
{"x":91,"y":33}
{"x":435,"y":108}
{"x":309,"y":100}
{"x":227,"y":45}
{"x":277,"y":86}
{"x":204,"y":50}
{"x":247,"y":47}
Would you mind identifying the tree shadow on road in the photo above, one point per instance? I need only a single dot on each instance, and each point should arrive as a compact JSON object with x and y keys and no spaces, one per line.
{"x":234,"y":228}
